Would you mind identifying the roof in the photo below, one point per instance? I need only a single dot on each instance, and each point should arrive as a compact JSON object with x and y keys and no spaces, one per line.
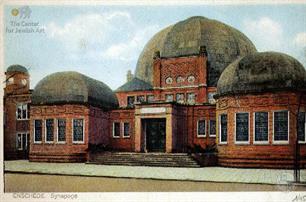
{"x":135,"y":84}
{"x":223,"y":43}
{"x":17,"y":68}
{"x":262,"y":72}
{"x":73,"y":87}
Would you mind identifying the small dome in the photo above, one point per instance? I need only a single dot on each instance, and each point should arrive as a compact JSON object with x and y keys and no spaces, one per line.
{"x":17,"y":68}
{"x":73,"y":87}
{"x":135,"y":85}
{"x":262,"y":72}
{"x":223,"y":43}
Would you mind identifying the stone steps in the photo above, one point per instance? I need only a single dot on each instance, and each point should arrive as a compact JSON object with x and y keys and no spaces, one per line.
{"x":143,"y":159}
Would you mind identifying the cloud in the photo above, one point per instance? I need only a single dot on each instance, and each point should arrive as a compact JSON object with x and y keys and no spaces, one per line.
{"x":266,"y":33}
{"x":126,"y":51}
{"x":88,"y":30}
{"x":112,"y":35}
{"x":300,"y":39}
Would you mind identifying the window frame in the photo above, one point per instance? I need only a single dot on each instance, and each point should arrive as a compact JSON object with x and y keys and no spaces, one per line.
{"x":57,"y":141}
{"x":27,"y":111}
{"x":194,"y":100}
{"x":114,"y":122}
{"x":126,"y":122}
{"x":21,"y":141}
{"x":211,"y":135}
{"x":205,"y":124}
{"x":78,"y":142}
{"x":254,"y":120}
{"x":273,"y":133}
{"x":220,"y":127}
{"x":45,"y":122}
{"x":127,"y":100}
{"x":148,"y":100}
{"x":303,"y":142}
{"x":184,"y":98}
{"x":34,"y":139}
{"x":169,"y":94}
{"x":235,"y":129}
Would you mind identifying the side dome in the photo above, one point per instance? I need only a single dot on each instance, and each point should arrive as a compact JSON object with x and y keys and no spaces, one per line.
{"x":73,"y":88}
{"x":223,"y":43}
{"x":17,"y":68}
{"x":262,"y":72}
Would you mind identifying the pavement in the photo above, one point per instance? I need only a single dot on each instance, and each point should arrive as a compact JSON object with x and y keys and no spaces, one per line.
{"x":205,"y":174}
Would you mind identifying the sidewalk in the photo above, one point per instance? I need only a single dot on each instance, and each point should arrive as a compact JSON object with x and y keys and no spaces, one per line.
{"x":208,"y":174}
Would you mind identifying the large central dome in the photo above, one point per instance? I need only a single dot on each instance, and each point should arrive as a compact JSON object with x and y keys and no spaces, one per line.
{"x":223,"y":43}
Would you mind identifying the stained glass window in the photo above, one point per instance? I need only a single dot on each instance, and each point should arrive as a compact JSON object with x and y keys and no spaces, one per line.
{"x":190,"y":98}
{"x":261,"y":126}
{"x":242,"y":127}
{"x":126,"y":129}
{"x":281,"y":126}
{"x":212,"y":127}
{"x":37,"y":130}
{"x":169,"y":97}
{"x":61,"y":130}
{"x":130,"y":101}
{"x":116,"y":129}
{"x":301,"y":127}
{"x":140,"y":98}
{"x":201,"y":128}
{"x":180,"y":98}
{"x":150,"y":98}
{"x":223,"y":128}
{"x":78,"y":128}
{"x":49,"y":130}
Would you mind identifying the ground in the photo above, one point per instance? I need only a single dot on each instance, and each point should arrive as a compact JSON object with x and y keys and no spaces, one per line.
{"x":79,"y":177}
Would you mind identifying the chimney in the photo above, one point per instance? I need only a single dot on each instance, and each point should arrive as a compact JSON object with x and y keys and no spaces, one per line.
{"x":129,"y":76}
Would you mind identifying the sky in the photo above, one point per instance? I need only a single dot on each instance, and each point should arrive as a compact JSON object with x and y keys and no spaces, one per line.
{"x":105,"y":41}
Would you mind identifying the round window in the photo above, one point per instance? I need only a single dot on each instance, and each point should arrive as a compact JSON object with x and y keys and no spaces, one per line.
{"x":191,"y":79}
{"x":169,"y":80}
{"x":179,"y":79}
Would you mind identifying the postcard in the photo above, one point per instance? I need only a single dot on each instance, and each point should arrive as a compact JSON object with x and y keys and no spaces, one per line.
{"x":143,"y":100}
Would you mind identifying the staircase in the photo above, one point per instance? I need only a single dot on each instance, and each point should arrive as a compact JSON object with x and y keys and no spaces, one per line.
{"x":144,"y":159}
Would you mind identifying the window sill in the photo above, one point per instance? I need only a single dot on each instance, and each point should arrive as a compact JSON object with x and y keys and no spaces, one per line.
{"x":280,"y":142}
{"x":116,"y":137}
{"x":222,"y":143}
{"x":242,"y":143}
{"x":126,"y":137}
{"x":212,"y":135}
{"x":78,"y":142}
{"x":201,"y":136}
{"x":261,"y":143}
{"x":37,"y":142}
{"x":60,"y":143}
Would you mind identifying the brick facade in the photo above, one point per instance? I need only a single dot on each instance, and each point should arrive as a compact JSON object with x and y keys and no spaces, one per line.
{"x":95,"y":126}
{"x":16,"y":92}
{"x":252,"y":154}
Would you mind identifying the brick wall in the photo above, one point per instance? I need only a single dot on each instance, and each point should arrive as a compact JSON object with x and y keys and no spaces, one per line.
{"x":264,"y":155}
{"x":95,"y":132}
{"x":122,"y":116}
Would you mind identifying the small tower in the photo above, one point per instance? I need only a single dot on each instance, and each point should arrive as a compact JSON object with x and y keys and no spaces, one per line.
{"x":129,"y":76}
{"x":17,"y":80}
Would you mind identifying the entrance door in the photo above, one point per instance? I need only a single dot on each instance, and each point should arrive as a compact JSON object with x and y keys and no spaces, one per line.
{"x":156,"y":135}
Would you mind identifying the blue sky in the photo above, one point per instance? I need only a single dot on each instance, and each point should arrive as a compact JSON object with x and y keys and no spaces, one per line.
{"x":104,"y":42}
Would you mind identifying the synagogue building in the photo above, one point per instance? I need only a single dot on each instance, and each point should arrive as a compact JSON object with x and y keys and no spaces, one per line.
{"x":198,"y":84}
